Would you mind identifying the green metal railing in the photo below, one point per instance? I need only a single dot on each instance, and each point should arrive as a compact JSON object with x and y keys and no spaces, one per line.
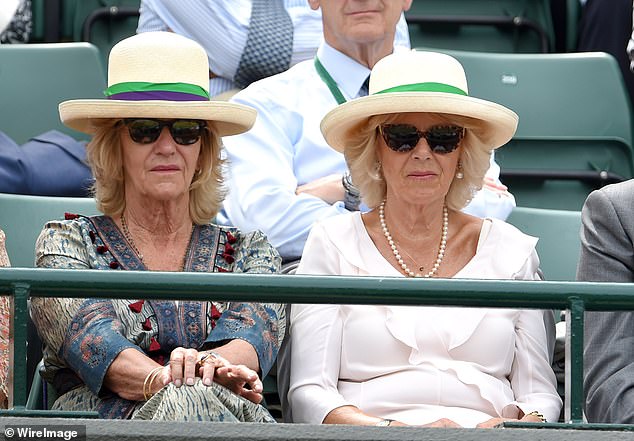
{"x":574,"y":297}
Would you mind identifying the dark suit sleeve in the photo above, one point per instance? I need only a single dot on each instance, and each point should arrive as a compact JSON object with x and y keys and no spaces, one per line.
{"x":607,"y":255}
{"x":12,"y":168}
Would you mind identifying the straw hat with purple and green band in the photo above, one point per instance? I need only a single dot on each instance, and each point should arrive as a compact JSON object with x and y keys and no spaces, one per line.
{"x":425,"y":82}
{"x":158,"y":75}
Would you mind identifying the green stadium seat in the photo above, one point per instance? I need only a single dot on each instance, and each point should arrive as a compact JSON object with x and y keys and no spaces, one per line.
{"x":22,"y":218}
{"x":485,"y":25}
{"x":559,"y":243}
{"x":100,"y":22}
{"x":38,"y":14}
{"x":573,"y":15}
{"x":35,"y":78}
{"x":558,"y":249}
{"x":575,"y":126}
{"x":41,"y":394}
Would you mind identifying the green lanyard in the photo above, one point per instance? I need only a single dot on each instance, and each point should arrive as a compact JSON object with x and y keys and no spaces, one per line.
{"x":330,"y":82}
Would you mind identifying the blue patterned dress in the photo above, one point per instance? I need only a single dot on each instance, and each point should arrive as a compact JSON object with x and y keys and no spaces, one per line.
{"x":82,"y":337}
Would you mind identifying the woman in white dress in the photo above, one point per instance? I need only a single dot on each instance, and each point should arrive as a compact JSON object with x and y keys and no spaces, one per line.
{"x":418,"y":148}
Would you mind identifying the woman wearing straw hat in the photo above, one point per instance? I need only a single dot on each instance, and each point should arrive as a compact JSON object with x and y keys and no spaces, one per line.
{"x":155,"y":155}
{"x":418,"y":148}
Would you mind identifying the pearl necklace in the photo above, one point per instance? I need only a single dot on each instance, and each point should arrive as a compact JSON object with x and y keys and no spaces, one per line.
{"x":399,"y":259}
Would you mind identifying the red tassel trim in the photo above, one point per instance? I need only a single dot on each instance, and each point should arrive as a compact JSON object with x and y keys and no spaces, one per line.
{"x":231,"y":238}
{"x":154,"y":345}
{"x":147,"y":326}
{"x":136,"y":306}
{"x":114,"y":264}
{"x":229,"y":249}
{"x":70,"y":216}
{"x":102,"y":249}
{"x":215,"y":314}
{"x":228,"y":257}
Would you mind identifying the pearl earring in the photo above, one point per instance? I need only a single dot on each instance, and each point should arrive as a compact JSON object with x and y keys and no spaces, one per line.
{"x":376,"y":171}
{"x":459,"y":173}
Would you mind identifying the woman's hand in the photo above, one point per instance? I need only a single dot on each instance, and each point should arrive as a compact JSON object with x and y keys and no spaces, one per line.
{"x":129,"y":375}
{"x":493,"y":422}
{"x":187,"y":364}
{"x":240,"y":380}
{"x":443,"y":422}
{"x":182,"y":366}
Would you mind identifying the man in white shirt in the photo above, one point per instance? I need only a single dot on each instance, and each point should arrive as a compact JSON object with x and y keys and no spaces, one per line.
{"x":282,"y":176}
{"x":222,"y":27}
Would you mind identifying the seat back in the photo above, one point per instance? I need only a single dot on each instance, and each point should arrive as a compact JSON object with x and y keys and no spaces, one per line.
{"x":35,"y":78}
{"x":22,"y":218}
{"x":482,"y":25}
{"x":100,"y":22}
{"x":575,"y":124}
{"x":559,"y":243}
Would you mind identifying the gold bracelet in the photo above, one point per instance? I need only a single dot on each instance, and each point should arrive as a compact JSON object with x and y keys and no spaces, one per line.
{"x":149,"y":379}
{"x":538,"y":415}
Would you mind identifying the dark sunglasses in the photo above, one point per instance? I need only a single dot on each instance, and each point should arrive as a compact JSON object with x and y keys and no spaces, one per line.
{"x":404,"y":137}
{"x":147,"y":131}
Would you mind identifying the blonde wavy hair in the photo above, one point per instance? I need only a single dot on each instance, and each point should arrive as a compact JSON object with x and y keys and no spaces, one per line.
{"x":104,"y":156}
{"x":361,"y":157}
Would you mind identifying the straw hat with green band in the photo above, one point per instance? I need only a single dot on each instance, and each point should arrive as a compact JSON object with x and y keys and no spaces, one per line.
{"x":416,"y":81}
{"x":158,"y":75}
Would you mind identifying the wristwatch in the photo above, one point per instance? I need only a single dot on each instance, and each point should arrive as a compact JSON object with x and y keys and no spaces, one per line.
{"x":384,"y":422}
{"x":352,"y":198}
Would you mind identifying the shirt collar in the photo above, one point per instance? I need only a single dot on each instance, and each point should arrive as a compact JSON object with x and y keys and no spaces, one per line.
{"x":347,"y":73}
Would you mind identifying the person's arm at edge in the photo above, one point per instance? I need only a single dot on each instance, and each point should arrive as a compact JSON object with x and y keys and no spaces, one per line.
{"x":607,"y":255}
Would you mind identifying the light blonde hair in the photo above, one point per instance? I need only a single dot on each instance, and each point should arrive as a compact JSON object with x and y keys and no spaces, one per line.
{"x":105,"y":158}
{"x":362,"y":159}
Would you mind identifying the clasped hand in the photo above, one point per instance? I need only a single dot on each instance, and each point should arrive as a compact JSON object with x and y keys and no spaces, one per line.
{"x":187,"y":364}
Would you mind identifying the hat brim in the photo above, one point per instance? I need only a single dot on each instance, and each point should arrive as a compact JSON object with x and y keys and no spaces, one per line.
{"x":227,"y":118}
{"x":495,"y":123}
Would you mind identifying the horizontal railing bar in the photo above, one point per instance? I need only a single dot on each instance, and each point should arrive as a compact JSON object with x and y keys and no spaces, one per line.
{"x":22,"y":412}
{"x":317,"y":289}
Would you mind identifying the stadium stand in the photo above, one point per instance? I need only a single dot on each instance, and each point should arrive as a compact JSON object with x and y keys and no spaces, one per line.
{"x":588,"y":136}
{"x":571,"y":24}
{"x":102,"y":22}
{"x":575,"y":131}
{"x":35,"y":78}
{"x":485,"y":25}
{"x":22,"y":218}
{"x":558,"y":233}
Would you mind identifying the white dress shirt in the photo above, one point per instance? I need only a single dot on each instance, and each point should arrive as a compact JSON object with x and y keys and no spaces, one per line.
{"x":285,"y":149}
{"x":419,"y":364}
{"x":222,"y":27}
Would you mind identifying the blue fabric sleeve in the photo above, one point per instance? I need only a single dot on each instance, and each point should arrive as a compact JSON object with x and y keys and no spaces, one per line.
{"x":94,"y":339}
{"x":255,"y":323}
